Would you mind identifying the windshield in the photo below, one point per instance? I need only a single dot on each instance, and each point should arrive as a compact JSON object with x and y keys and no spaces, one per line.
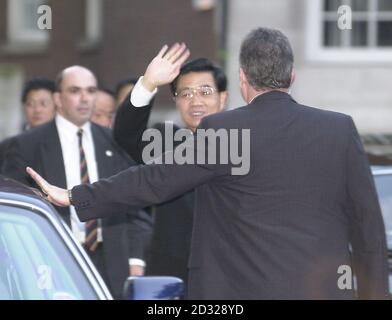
{"x":34,"y":261}
{"x":384,"y":190}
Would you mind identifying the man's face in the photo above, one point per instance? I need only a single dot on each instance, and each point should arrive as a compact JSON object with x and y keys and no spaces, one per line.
{"x":77,"y":95}
{"x":105,"y":107}
{"x":196,"y":106}
{"x":39,"y":107}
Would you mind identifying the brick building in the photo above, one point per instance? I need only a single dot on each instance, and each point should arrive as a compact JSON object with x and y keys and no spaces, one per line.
{"x":114,"y":38}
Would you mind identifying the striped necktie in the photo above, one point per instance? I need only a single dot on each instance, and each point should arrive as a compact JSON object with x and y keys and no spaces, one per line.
{"x":91,"y":241}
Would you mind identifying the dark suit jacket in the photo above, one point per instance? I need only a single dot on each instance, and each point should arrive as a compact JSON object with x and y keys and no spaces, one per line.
{"x":3,"y":151}
{"x":283,"y":230}
{"x":170,"y":245}
{"x":4,"y":147}
{"x":125,"y":233}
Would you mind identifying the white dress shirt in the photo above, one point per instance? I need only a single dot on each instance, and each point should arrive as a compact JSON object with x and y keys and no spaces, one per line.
{"x":140,"y":96}
{"x":69,"y":141}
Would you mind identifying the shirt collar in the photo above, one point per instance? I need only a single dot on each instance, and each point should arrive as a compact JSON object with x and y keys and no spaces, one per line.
{"x":267,"y":92}
{"x":68,"y":129}
{"x":257,"y":95}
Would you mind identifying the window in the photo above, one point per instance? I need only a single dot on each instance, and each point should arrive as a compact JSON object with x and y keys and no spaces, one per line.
{"x":34,"y":261}
{"x":370,"y":36}
{"x":11,"y":84}
{"x":93,"y":24}
{"x":203,"y":5}
{"x":22,"y":22}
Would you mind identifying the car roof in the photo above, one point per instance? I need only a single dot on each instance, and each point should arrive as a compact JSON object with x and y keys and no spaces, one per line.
{"x":381,"y":170}
{"x":13,"y":191}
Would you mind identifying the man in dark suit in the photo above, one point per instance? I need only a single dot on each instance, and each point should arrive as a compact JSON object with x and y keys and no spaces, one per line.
{"x":306,"y":209}
{"x":71,"y":150}
{"x":170,"y":245}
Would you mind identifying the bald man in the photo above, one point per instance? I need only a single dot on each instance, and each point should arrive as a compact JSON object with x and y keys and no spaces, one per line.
{"x":71,"y":150}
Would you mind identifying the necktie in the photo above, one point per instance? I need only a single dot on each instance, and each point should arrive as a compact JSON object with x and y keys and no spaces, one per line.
{"x":91,"y":241}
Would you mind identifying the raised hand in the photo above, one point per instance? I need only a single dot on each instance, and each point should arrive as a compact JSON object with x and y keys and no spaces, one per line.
{"x":165,"y":67}
{"x":55,"y":195}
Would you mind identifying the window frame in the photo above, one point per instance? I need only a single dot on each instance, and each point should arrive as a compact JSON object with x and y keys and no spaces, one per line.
{"x":94,"y":21}
{"x":315,"y":51}
{"x":16,"y":31}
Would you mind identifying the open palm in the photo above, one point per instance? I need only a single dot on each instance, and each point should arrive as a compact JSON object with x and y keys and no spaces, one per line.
{"x":165,"y":67}
{"x":55,"y":195}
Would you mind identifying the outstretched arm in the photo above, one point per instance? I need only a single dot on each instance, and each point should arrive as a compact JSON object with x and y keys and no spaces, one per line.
{"x":138,"y":187}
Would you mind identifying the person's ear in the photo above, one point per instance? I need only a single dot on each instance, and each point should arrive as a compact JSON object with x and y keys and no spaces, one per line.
{"x":293,"y":77}
{"x":244,"y":85}
{"x":57,"y":100}
{"x":223,"y":100}
{"x":243,"y":78}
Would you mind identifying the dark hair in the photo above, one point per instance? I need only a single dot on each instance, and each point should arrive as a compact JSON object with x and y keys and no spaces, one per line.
{"x":124,"y":83}
{"x":37,"y":83}
{"x":266,"y":57}
{"x":202,"y":65}
{"x":106,"y":90}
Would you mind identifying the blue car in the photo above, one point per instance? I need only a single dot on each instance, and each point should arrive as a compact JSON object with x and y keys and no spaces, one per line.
{"x":41,"y":260}
{"x":383,"y":181}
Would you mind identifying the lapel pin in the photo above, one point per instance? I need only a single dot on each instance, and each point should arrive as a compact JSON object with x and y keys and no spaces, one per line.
{"x":109,"y":153}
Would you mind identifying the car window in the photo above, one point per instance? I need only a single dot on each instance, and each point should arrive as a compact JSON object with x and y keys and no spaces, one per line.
{"x":35,"y":263}
{"x":384,"y":190}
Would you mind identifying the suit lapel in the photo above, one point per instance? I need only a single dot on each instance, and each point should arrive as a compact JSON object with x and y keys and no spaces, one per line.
{"x":103,"y":152}
{"x":104,"y":158}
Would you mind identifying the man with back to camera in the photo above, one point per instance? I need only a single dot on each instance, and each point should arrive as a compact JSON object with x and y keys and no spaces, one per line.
{"x":306,"y":207}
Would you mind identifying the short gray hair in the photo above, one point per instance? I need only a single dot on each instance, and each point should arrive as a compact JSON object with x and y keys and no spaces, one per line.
{"x":266,"y":57}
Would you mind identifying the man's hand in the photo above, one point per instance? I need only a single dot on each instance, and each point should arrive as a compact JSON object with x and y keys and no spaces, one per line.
{"x":165,"y":67}
{"x":55,"y":195}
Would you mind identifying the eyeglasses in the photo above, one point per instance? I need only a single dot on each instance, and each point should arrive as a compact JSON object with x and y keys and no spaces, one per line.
{"x":189,"y":93}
